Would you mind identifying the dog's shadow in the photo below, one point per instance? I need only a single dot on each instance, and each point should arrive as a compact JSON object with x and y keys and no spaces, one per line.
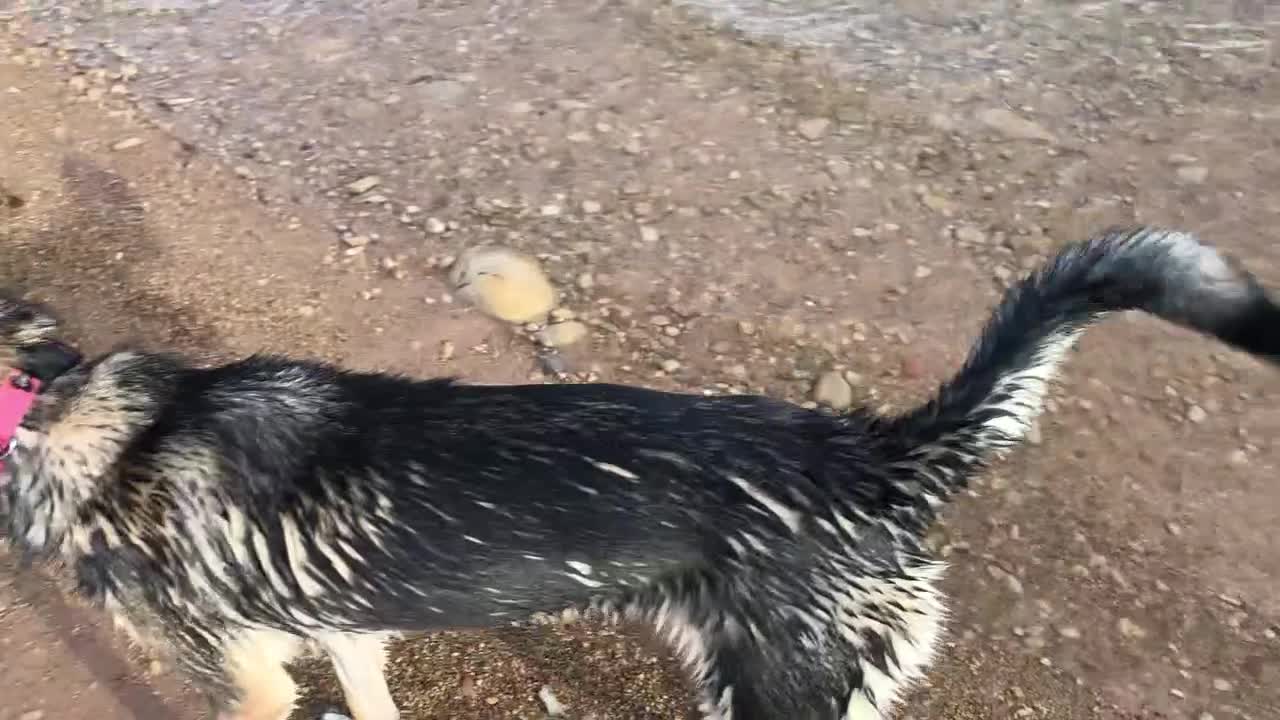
{"x":70,"y":255}
{"x":108,"y":667}
{"x":80,"y":257}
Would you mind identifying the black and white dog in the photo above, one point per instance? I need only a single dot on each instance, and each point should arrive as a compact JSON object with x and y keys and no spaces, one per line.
{"x":236,"y":514}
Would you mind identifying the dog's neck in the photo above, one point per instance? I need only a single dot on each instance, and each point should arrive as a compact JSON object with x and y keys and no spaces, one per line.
{"x":74,"y":436}
{"x":37,"y":366}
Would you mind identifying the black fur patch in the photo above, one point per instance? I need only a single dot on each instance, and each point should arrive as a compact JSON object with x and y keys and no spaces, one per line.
{"x":47,"y":360}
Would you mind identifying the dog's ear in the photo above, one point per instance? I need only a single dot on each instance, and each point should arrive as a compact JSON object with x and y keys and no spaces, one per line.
{"x":24,"y":323}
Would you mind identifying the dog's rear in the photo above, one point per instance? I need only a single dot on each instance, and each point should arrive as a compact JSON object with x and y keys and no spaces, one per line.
{"x":850,"y":615}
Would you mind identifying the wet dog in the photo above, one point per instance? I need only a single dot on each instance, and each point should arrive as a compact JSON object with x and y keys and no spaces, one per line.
{"x":233,"y":514}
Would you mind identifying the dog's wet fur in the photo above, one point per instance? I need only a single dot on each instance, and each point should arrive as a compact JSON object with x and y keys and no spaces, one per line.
{"x":234,"y":515}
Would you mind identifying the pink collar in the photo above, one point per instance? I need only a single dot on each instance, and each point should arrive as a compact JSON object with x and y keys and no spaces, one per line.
{"x":17,"y":395}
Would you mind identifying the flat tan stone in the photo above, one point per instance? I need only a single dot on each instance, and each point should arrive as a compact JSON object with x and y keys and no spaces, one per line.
{"x":504,"y":283}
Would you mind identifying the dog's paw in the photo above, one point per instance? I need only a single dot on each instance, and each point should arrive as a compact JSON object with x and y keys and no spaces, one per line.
{"x":334,"y":716}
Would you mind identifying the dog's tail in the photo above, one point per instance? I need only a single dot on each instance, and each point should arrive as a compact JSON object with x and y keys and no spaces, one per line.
{"x":989,"y":406}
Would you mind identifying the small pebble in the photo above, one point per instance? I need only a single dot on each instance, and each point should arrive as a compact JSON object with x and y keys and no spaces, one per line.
{"x":970,"y":234}
{"x":813,"y":128}
{"x":364,"y":184}
{"x":912,"y":367}
{"x":549,"y":701}
{"x":446,"y":351}
{"x":833,"y":390}
{"x":1034,"y":437}
{"x":1013,"y":584}
{"x":1011,"y":125}
{"x":1192,"y":174}
{"x":562,"y":334}
{"x":1130,"y":629}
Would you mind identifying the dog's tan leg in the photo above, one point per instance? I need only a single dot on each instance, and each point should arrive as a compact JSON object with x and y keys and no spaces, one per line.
{"x":359,"y":661}
{"x":255,"y":663}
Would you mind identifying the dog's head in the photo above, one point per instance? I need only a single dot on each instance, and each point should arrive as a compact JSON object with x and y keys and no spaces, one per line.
{"x":27,"y":345}
{"x":27,"y":339}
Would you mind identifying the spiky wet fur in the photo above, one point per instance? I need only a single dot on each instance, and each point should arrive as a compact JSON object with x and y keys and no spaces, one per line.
{"x":231,"y":513}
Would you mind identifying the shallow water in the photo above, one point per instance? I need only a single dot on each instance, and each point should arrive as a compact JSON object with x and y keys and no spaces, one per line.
{"x":915,"y":41}
{"x":959,"y":38}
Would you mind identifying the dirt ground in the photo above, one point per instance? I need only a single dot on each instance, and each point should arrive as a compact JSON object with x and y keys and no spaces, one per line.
{"x":725,"y":213}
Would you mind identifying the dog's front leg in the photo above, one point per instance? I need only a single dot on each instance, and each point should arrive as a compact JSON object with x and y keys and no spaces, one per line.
{"x":360,"y":660}
{"x":254,"y":661}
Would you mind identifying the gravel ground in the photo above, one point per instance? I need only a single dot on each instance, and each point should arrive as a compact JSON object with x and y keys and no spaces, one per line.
{"x":721,"y":211}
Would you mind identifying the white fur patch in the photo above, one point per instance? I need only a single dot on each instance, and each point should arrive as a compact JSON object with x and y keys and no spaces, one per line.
{"x":588,"y":582}
{"x":789,"y":517}
{"x":913,"y":634}
{"x":1023,"y":394}
{"x":263,"y":552}
{"x":614,"y":469}
{"x":296,"y":551}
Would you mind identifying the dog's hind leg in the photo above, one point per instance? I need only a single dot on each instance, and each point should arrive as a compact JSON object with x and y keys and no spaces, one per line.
{"x":359,"y":660}
{"x":799,"y":630}
{"x":254,"y":662}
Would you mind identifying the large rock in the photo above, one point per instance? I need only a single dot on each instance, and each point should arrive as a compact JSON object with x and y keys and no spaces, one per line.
{"x":504,"y":283}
